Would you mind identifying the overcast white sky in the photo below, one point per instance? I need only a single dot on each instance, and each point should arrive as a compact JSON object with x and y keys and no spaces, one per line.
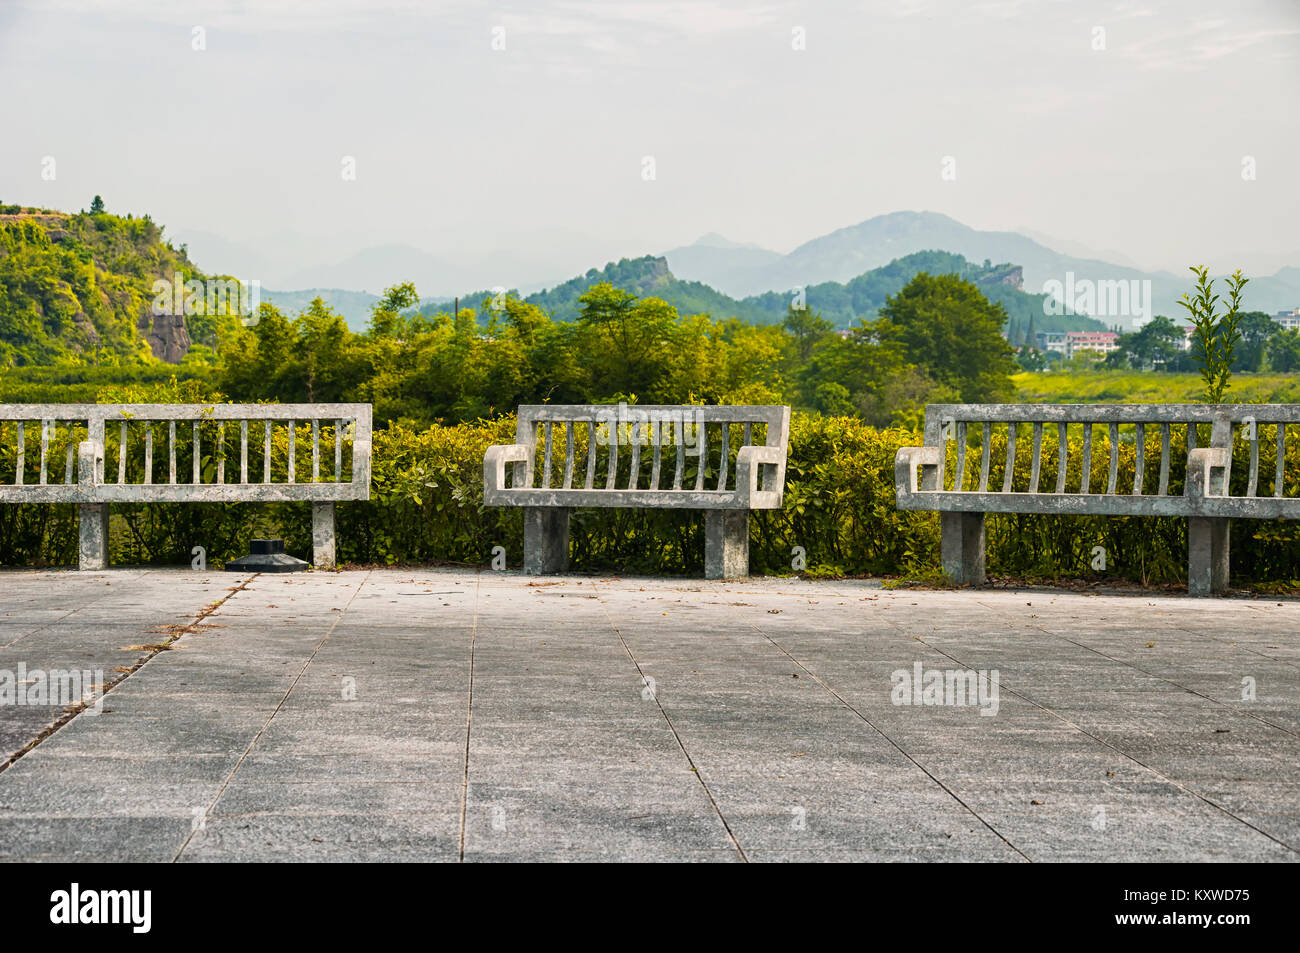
{"x":462,"y":149}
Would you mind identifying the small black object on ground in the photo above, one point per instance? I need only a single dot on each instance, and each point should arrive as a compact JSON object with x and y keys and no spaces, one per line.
{"x":266,"y":555}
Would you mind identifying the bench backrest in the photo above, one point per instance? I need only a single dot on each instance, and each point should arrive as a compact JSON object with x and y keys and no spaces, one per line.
{"x":1164,"y":431}
{"x":644,"y":447}
{"x":228,"y":452}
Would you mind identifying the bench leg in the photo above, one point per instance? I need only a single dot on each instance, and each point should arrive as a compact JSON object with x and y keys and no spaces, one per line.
{"x":92,"y":530}
{"x":546,"y":539}
{"x":1207,"y":555}
{"x":322,"y":535}
{"x":726,"y":544}
{"x":961,"y":547}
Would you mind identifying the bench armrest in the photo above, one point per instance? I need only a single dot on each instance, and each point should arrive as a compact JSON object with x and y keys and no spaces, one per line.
{"x":751,"y":460}
{"x":1207,"y":470}
{"x":494,"y":470}
{"x":906,"y":463}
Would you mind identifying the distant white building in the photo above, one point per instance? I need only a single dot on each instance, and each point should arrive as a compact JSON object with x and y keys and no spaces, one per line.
{"x":1052,"y":341}
{"x":1290,"y":320}
{"x":1102,"y":342}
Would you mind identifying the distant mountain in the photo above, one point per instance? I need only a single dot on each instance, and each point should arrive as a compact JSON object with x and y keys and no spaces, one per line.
{"x":354,"y":306}
{"x":721,"y":263}
{"x":843,"y":304}
{"x":861,"y":298}
{"x":849,"y":252}
{"x":377,"y":268}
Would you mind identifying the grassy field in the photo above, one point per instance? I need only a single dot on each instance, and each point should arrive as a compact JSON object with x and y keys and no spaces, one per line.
{"x":1149,"y":387}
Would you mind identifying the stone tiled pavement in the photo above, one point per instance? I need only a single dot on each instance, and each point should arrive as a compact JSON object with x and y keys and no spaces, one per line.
{"x":497,"y":717}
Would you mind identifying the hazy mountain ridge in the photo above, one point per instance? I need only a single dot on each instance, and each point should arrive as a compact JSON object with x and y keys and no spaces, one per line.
{"x":848,"y":252}
{"x":843,"y":304}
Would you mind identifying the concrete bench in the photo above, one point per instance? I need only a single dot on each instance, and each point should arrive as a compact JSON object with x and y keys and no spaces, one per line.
{"x":83,"y":432}
{"x":723,"y":460}
{"x":923,"y":481}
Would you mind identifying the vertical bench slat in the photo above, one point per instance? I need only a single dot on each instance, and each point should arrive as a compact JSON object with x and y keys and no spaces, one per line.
{"x":656,"y":434}
{"x":266,"y":455}
{"x":1164,"y":459}
{"x":338,"y":451}
{"x":1063,"y":455}
{"x":1113,"y":476}
{"x":612,"y":478}
{"x":634,"y":466}
{"x":748,"y":432}
{"x":148,"y":451}
{"x":197,"y":462}
{"x":546,"y":460}
{"x":67,"y":465}
{"x":702,"y":456}
{"x":293,"y":446}
{"x":171,"y":450}
{"x":1253,"y":482}
{"x":243,"y":451}
{"x":1085,"y":477}
{"x":959,"y":479}
{"x":1139,"y":467}
{"x":1281,"y":459}
{"x":591,"y":454}
{"x":45,"y":446}
{"x":315,"y":450}
{"x":1036,"y":462}
{"x":221,"y":452}
{"x":121,"y":452}
{"x":1010,"y":474}
{"x":678,"y":429}
{"x":1191,"y":437}
{"x":22,"y":452}
{"x":984,"y":456}
{"x":723,"y":460}
{"x":568,"y":455}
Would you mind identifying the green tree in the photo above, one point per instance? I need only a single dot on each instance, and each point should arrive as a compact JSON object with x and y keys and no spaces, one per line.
{"x":1284,"y":351}
{"x":944,"y":325}
{"x":97,"y":206}
{"x":1256,"y":329}
{"x":386,"y":314}
{"x":1214,"y":335}
{"x":807,"y":328}
{"x":1155,"y":345}
{"x":625,"y":335}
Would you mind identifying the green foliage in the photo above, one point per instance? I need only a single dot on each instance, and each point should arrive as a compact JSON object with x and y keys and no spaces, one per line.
{"x":1283,"y":350}
{"x":80,"y":289}
{"x":1155,"y":346}
{"x":1135,"y":387}
{"x":944,"y":326}
{"x":1214,"y":335}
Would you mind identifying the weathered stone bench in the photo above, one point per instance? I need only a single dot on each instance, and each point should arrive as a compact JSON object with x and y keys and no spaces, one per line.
{"x":1206,"y":500}
{"x":716,"y":461}
{"x":81,"y":431}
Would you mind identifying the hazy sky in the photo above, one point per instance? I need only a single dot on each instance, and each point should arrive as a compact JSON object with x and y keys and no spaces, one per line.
{"x":537,"y":150}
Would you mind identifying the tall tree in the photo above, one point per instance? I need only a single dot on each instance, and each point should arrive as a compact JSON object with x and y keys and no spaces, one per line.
{"x":945,"y":326}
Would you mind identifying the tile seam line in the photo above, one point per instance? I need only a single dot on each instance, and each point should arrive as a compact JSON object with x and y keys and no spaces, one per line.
{"x":1124,"y":754}
{"x":469,"y":715}
{"x":66,"y":719}
{"x":1241,"y":713}
{"x":1207,"y":638}
{"x":266,"y":724}
{"x":71,"y":612}
{"x":695,"y":769}
{"x":899,"y":748}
